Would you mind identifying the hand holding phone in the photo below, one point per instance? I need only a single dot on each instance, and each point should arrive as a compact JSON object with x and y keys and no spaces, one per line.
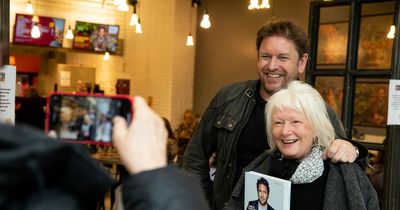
{"x":85,"y":118}
{"x":141,"y":145}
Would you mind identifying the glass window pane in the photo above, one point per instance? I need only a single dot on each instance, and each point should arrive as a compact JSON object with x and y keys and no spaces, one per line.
{"x":377,"y":8}
{"x":331,"y":89}
{"x":370,"y":110}
{"x":370,"y":103}
{"x":374,"y":47}
{"x":332,"y":37}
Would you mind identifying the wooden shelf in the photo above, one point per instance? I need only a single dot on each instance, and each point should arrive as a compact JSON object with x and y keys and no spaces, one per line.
{"x":34,"y":49}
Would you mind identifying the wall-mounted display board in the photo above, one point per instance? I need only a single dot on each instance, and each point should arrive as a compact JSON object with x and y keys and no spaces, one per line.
{"x":51,"y":29}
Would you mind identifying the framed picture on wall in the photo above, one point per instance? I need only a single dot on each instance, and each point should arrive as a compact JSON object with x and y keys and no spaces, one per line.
{"x":371,"y":104}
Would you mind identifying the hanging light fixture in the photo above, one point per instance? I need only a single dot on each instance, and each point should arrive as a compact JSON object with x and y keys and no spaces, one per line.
{"x":106,"y":56}
{"x":139,"y":27}
{"x":123,"y":6}
{"x":253,"y":5}
{"x":70,"y":34}
{"x":205,"y":22}
{"x":391,"y":33}
{"x":196,"y":3}
{"x":265,"y":4}
{"x":189,"y":40}
{"x":29,"y":8}
{"x":35,"y":18}
{"x":135,"y":20}
{"x":35,"y":32}
{"x":134,"y":17}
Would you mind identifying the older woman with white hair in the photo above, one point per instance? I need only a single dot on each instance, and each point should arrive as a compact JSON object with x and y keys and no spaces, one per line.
{"x":299,"y":129}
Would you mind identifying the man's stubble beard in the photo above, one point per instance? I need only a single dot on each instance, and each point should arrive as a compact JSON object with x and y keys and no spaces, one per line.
{"x":263,"y":204}
{"x":271,"y":92}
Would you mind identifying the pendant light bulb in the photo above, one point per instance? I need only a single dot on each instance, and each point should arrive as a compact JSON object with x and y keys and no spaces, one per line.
{"x":134,"y":19}
{"x":392,"y":30}
{"x":70,"y":34}
{"x":35,"y":32}
{"x":139,"y":28}
{"x":253,"y":5}
{"x":205,"y":22}
{"x":123,"y":6}
{"x":106,"y":56}
{"x":189,"y":40}
{"x":29,"y":8}
{"x":265,"y":4}
{"x":35,"y":19}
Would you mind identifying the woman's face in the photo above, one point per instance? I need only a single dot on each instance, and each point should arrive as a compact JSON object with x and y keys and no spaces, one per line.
{"x":188,"y":118}
{"x":292,"y":133}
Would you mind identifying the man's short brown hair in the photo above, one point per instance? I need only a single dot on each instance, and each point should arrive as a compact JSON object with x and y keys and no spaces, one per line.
{"x":287,"y":29}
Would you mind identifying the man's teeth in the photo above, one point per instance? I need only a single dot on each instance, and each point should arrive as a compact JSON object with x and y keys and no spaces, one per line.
{"x":289,"y":141}
{"x":274,"y":75}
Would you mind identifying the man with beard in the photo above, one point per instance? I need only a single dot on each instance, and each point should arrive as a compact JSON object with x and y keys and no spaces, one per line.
{"x":263,"y":195}
{"x":233,"y":125}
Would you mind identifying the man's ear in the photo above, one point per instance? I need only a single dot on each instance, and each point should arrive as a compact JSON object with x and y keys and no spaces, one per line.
{"x":303,"y":63}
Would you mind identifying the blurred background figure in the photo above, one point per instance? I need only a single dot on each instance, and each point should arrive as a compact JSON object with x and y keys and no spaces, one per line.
{"x":100,"y":39}
{"x":377,"y":113}
{"x":103,"y":128}
{"x":87,"y":128}
{"x":31,"y":110}
{"x":184,"y":132}
{"x":330,"y":98}
{"x":172,"y":144}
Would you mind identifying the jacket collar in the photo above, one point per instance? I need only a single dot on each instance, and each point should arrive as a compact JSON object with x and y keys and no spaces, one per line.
{"x":253,"y":91}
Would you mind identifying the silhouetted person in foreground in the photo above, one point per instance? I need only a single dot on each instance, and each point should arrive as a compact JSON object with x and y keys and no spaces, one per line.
{"x":31,"y":111}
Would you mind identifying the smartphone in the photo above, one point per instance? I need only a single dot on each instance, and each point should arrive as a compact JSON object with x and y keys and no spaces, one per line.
{"x":85,"y":118}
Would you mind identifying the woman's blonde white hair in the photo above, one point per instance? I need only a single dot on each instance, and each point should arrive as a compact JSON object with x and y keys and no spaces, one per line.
{"x":305,"y":100}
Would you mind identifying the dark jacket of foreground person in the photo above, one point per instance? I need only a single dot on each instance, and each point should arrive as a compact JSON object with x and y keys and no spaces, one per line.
{"x":41,"y":173}
{"x":37,"y":172}
{"x":346,"y":188}
{"x":167,"y":188}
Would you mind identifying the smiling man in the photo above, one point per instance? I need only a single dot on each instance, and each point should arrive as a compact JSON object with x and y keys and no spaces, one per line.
{"x":233,"y":125}
{"x":263,"y":195}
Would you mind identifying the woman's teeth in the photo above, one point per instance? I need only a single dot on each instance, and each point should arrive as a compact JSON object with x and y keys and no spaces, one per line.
{"x":289,"y":141}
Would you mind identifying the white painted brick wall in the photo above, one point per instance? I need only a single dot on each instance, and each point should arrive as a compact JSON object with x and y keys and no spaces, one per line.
{"x":162,"y":65}
{"x":158,"y":62}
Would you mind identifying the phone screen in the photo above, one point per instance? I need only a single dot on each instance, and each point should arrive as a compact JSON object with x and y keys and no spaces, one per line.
{"x":85,"y":118}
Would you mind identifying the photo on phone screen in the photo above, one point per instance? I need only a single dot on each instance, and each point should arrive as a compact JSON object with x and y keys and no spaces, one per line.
{"x":85,"y":118}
